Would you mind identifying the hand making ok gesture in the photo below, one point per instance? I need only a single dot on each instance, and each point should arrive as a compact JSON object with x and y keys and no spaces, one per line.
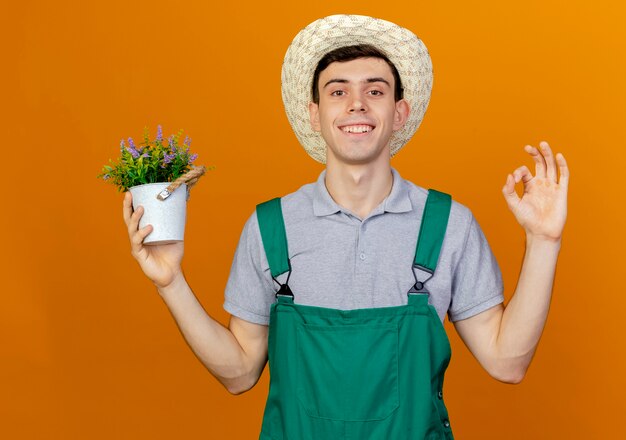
{"x":542,"y":209}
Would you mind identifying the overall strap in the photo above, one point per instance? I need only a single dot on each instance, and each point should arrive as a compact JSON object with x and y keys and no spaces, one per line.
{"x":432,"y":232}
{"x":274,"y":237}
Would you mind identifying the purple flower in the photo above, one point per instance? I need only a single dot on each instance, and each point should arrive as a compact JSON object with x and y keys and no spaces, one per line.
{"x":134,"y":148}
{"x":168,"y":158}
{"x":145,"y":155}
{"x":106,"y":177}
{"x":133,"y":152}
{"x":187,"y":141}
{"x":193,"y":157}
{"x":159,"y":137}
{"x":122,"y":146}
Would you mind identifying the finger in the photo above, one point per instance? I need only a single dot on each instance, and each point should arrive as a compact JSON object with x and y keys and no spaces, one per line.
{"x":133,"y":223}
{"x":550,"y":164}
{"x":138,"y":237}
{"x":563,"y":169}
{"x":522,"y":173}
{"x":508,"y":190}
{"x":540,"y":163}
{"x":127,"y":207}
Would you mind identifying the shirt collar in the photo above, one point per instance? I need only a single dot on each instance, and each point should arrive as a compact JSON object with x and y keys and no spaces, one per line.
{"x":397,"y":200}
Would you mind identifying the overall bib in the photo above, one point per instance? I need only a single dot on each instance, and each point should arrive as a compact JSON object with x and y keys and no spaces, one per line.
{"x":365,"y":374}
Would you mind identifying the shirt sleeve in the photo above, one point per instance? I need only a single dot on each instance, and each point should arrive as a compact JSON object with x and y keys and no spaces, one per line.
{"x":249,"y":292}
{"x":477,"y":280}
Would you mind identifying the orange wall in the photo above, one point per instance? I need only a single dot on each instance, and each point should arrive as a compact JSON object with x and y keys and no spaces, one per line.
{"x":89,"y":350}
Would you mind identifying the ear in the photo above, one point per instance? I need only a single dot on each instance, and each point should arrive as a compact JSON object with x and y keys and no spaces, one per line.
{"x":314,"y":116}
{"x":401,"y":114}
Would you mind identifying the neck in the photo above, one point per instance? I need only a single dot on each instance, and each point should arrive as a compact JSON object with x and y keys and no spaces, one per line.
{"x":359,"y":188}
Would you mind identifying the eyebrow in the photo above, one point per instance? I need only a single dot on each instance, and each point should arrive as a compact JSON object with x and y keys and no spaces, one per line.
{"x":368,"y":80}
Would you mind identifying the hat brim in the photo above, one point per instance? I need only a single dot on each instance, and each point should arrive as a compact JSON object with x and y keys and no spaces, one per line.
{"x":407,"y":53}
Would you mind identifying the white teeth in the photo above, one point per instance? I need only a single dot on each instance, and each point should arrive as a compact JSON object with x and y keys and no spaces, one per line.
{"x":357,"y":128}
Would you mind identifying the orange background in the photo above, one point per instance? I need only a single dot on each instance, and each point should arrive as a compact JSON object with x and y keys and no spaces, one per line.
{"x":89,"y":350}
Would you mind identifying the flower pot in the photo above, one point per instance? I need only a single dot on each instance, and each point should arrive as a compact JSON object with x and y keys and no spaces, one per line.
{"x":167,"y":217}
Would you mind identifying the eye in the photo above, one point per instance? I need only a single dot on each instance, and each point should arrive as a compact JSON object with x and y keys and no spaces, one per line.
{"x":337,"y":93}
{"x":376,"y":92}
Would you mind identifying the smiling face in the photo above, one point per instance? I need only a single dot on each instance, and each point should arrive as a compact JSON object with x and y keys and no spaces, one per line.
{"x":357,"y":113}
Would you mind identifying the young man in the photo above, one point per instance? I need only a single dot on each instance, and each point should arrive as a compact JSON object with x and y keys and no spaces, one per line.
{"x":355,"y":273}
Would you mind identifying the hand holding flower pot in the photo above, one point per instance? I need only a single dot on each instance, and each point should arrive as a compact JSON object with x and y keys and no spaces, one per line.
{"x":160,"y":263}
{"x":147,"y":171}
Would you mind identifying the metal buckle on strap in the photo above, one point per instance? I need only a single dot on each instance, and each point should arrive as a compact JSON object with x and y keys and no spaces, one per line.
{"x":284,"y":288}
{"x":284,"y":291}
{"x":418,"y":287}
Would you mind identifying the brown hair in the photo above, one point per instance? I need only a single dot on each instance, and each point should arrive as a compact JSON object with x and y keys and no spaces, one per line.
{"x":349,"y":53}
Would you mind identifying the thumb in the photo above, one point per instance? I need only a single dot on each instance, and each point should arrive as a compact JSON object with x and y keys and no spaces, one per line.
{"x":508,"y":190}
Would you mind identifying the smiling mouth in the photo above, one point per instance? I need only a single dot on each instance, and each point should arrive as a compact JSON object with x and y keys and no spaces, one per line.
{"x":360,"y":128}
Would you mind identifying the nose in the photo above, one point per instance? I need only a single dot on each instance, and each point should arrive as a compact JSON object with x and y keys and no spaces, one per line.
{"x":357,"y":105}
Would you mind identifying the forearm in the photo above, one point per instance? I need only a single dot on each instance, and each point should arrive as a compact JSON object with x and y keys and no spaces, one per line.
{"x":215,"y":345}
{"x":525,"y":315}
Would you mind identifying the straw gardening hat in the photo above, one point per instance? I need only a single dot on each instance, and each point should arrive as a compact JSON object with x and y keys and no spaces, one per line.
{"x":402,"y":47}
